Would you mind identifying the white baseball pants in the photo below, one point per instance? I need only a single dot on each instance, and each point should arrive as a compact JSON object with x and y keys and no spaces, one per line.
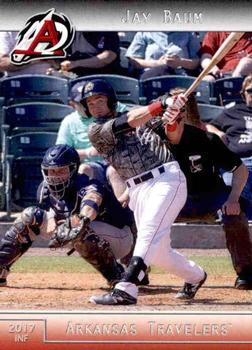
{"x":156,"y":203}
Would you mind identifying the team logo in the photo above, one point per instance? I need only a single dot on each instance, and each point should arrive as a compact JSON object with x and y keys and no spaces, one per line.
{"x":196,"y":165}
{"x":45,"y":35}
{"x":88,"y":87}
{"x":247,"y":136}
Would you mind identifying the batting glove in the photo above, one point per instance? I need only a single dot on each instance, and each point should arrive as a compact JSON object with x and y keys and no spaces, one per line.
{"x":174,"y":106}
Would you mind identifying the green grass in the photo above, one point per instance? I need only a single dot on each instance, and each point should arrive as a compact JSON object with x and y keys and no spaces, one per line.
{"x":214,"y":265}
{"x":52,"y":264}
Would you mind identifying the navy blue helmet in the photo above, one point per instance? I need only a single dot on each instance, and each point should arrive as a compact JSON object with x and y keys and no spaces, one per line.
{"x":59,"y":168}
{"x":99,"y":87}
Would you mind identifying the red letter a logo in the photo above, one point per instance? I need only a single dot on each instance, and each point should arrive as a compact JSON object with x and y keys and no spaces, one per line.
{"x":47,"y":34}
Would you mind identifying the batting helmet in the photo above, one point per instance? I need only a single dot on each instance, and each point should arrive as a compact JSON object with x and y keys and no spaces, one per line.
{"x":59,"y":167}
{"x":99,"y":87}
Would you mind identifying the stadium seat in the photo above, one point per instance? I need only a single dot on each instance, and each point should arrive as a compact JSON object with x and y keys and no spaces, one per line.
{"x":23,"y":175}
{"x":126,"y":89}
{"x":30,"y":88}
{"x":123,"y":59}
{"x":1,"y":100}
{"x":31,"y":116}
{"x":126,"y":38}
{"x":209,"y":112}
{"x":1,"y":103}
{"x":153,"y":87}
{"x":227,"y":90}
{"x":1,"y":79}
{"x":37,"y":115}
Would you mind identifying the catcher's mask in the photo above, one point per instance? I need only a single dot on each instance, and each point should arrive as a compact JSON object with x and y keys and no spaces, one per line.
{"x":59,"y":167}
{"x":98,"y":87}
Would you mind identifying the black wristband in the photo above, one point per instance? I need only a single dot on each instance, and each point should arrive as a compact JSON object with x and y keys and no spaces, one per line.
{"x":121,"y":125}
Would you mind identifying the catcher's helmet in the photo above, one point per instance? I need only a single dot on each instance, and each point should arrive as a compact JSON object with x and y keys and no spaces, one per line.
{"x":59,"y":167}
{"x":99,"y":87}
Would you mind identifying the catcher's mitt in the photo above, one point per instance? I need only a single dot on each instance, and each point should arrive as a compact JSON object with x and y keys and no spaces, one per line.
{"x":67,"y":232}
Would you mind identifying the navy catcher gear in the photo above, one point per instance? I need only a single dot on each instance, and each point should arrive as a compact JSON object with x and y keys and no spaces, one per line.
{"x":97,"y":252}
{"x":99,"y":87}
{"x":18,"y":239}
{"x":59,"y":168}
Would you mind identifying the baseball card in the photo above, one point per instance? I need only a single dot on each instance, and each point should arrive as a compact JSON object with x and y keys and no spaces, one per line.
{"x":126,"y":175}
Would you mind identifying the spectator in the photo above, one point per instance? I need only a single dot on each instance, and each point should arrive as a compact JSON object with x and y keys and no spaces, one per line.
{"x":237,"y":62}
{"x":234,"y":127}
{"x":93,"y":53}
{"x":201,"y":155}
{"x":7,"y":44}
{"x":158,"y":53}
{"x":74,"y":127}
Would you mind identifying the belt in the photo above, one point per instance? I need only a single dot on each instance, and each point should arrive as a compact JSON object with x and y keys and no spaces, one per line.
{"x":145,"y":177}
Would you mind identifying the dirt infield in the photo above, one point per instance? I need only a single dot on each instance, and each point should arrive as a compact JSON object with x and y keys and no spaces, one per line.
{"x":66,"y":291}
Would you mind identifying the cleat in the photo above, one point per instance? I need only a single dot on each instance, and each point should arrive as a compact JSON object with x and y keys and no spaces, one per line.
{"x":243,"y":283}
{"x":3,"y":282}
{"x":116,"y":297}
{"x":189,"y":290}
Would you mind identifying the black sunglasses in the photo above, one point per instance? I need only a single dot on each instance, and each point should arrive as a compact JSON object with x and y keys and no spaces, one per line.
{"x":249,"y":91}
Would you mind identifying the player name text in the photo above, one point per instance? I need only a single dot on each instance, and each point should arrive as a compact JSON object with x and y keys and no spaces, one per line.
{"x":168,"y":17}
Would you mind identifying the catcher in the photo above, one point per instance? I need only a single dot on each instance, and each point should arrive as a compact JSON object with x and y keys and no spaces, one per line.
{"x":68,"y":205}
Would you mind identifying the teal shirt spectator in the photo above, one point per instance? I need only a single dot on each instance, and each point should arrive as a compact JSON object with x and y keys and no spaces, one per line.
{"x":73,"y":131}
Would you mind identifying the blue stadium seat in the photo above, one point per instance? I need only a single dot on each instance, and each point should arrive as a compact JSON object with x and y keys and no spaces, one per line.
{"x":126,"y":38}
{"x":31,"y":116}
{"x":29,"y":87}
{"x":227,"y":90}
{"x":154,"y":87}
{"x":1,"y":101}
{"x":209,"y":112}
{"x":45,"y":116}
{"x":124,"y":62}
{"x":23,"y":175}
{"x":1,"y":79}
{"x":126,"y":89}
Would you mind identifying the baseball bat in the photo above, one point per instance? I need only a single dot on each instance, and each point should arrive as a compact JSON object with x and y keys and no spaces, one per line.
{"x":225,"y":47}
